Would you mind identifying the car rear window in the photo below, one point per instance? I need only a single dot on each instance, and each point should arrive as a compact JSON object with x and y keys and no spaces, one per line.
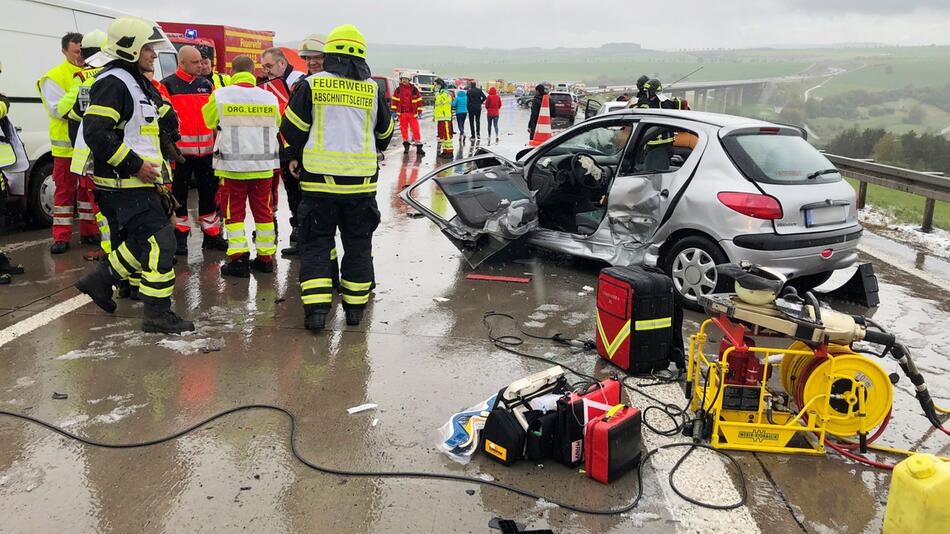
{"x":779,"y":159}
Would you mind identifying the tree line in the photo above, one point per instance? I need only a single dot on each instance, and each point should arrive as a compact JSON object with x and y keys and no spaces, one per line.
{"x":922,"y":152}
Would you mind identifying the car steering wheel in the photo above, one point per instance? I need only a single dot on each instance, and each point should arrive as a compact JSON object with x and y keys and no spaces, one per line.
{"x":586,"y":172}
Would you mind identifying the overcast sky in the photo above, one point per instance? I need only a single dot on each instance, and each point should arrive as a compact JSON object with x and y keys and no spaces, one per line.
{"x":659,"y":24}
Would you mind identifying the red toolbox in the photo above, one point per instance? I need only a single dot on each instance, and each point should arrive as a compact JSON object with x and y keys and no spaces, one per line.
{"x":635,"y":318}
{"x":573,"y":413}
{"x":612,"y":444}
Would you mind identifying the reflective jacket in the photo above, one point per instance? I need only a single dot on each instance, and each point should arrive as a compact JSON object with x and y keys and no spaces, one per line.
{"x":443,"y":106}
{"x":219,"y":80}
{"x":120,"y":128}
{"x":52,"y":87}
{"x":335,"y":126}
{"x":247,"y":119}
{"x":407,"y":99}
{"x":12,"y":153}
{"x":188,"y":95}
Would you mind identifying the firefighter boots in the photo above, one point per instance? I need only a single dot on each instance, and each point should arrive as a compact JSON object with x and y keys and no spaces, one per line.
{"x":419,"y":151}
{"x":181,"y":243}
{"x":125,"y":289}
{"x":160,"y":321}
{"x":262,"y":266}
{"x":316,"y":319}
{"x":6,"y":267}
{"x":405,"y":147}
{"x":59,"y":247}
{"x":98,"y":285}
{"x":239,"y":268}
{"x":353,"y":317}
{"x":214,"y":242}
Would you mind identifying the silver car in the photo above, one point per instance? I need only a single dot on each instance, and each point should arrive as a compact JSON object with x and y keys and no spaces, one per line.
{"x":680,"y":190}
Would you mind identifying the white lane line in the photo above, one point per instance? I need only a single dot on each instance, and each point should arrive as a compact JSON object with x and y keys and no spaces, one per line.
{"x":42,"y":318}
{"x":26,"y":244}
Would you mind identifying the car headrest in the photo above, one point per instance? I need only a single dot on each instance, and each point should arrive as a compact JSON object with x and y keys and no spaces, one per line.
{"x":685,"y":140}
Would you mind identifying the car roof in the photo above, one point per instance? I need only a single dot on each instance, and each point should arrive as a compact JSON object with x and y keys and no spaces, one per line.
{"x":714,"y":119}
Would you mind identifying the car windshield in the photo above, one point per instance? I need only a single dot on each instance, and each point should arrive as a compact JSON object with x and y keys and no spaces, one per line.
{"x":779,"y":159}
{"x":425,"y":79}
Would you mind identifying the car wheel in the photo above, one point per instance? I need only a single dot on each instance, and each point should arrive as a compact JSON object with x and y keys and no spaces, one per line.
{"x":810,"y":281}
{"x":40,"y":199}
{"x":691,"y":263}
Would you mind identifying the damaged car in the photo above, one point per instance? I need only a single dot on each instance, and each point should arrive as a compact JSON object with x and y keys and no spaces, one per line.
{"x":681,"y":190}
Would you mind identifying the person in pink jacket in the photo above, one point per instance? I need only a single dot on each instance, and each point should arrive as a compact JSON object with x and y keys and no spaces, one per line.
{"x":493,"y":110}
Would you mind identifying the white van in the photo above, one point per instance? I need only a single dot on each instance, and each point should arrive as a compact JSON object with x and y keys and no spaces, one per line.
{"x":30,"y":34}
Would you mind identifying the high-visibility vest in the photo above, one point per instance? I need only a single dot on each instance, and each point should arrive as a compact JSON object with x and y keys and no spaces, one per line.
{"x":443,"y":106}
{"x":341,"y":141}
{"x":62,"y":75}
{"x":220,"y":80}
{"x":12,"y":154}
{"x":247,"y":140}
{"x":139,"y":135}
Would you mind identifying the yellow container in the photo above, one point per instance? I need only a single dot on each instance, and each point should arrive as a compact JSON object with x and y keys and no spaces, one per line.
{"x":919,"y":498}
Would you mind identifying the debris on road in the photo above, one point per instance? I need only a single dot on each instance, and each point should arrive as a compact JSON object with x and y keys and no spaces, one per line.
{"x":361,"y":408}
{"x":492,"y":278}
{"x":60,"y":396}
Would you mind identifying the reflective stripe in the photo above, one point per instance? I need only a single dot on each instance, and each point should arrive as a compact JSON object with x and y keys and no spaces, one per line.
{"x":333,"y":253}
{"x":156,"y":293}
{"x":117,"y":265}
{"x":355,"y":286}
{"x":315,"y":187}
{"x":62,"y":210}
{"x":62,"y":221}
{"x":197,"y":138}
{"x":195,"y":150}
{"x":119,"y":155}
{"x":612,"y":346}
{"x":105,"y":233}
{"x":233,"y":227}
{"x":316,"y":283}
{"x":61,"y":144}
{"x":353,"y":299}
{"x":153,"y":253}
{"x":119,"y":183}
{"x":388,"y":131}
{"x":654,"y":324}
{"x":128,"y":257}
{"x":135,"y":279}
{"x":156,"y":277}
{"x":84,"y":205}
{"x":86,"y":216}
{"x":317,"y":299}
{"x":104,"y":111}
{"x":299,"y":123}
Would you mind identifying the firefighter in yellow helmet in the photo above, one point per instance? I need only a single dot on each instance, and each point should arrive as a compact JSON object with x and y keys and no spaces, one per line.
{"x":121,"y":131}
{"x":335,"y":124}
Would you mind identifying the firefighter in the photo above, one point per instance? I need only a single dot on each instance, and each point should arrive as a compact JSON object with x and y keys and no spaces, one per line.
{"x":652,"y":98}
{"x":12,"y":159}
{"x":407,"y":106}
{"x":641,"y":92}
{"x":328,"y":126}
{"x":442,"y":113}
{"x":70,"y":190}
{"x":218,"y":80}
{"x":245,"y":155}
{"x":190,"y":91}
{"x":121,"y":128}
{"x":311,"y":51}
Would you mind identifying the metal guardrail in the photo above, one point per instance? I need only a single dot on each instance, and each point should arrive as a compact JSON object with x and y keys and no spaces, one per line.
{"x":927,"y":185}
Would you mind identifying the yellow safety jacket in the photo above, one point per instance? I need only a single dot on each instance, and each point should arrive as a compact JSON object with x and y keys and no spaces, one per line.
{"x":62,"y":76}
{"x":78,"y":92}
{"x":443,"y":106}
{"x":220,"y":80}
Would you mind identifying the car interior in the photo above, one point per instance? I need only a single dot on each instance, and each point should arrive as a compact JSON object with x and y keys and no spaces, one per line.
{"x":572,"y":179}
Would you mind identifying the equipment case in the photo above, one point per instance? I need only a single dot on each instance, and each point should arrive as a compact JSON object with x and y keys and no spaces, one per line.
{"x":612,"y":444}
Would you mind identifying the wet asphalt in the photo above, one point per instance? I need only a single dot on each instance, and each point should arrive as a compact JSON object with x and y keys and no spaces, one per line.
{"x":421,"y":354}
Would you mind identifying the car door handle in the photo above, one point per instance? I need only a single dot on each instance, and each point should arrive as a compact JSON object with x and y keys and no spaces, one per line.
{"x":665,"y":193}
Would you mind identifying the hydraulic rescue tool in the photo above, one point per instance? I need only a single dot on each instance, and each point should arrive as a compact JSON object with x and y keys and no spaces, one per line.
{"x":758,"y":398}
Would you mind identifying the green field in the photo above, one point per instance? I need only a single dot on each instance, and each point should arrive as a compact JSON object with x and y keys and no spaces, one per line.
{"x":905,"y":207}
{"x":894,"y":119}
{"x":891,"y":74}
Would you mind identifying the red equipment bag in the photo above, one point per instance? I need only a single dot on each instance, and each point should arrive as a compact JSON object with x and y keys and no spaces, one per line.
{"x":573,"y":413}
{"x":637,"y":319}
{"x":612,"y":444}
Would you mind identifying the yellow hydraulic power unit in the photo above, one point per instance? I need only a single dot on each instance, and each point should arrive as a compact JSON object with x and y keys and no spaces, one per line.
{"x":759,"y":398}
{"x":919,"y":498}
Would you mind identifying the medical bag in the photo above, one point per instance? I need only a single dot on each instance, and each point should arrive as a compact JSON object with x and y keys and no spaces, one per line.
{"x":639,"y":321}
{"x":574,"y":411}
{"x":612,"y":444}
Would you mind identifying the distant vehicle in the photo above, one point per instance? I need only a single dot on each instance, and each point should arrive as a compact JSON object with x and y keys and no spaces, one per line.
{"x":609,"y":107}
{"x":30,"y":33}
{"x":725,"y":189}
{"x":387,"y":86}
{"x":225,"y":42}
{"x":579,"y":89}
{"x":563,"y":109}
{"x":562,"y":86}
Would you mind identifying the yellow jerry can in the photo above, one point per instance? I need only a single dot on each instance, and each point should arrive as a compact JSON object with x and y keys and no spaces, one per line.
{"x":919,"y":499}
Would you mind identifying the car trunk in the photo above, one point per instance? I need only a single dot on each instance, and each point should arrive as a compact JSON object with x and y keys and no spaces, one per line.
{"x":813,"y":195}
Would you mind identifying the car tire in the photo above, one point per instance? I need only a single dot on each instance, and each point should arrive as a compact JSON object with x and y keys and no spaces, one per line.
{"x":40,"y":195}
{"x":691,"y":263}
{"x":810,"y":281}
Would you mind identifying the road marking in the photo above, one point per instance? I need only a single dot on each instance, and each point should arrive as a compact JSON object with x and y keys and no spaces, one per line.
{"x":42,"y":318}
{"x":26,"y":244}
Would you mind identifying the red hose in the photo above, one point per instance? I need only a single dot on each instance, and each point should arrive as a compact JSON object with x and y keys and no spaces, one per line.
{"x":858,"y":458}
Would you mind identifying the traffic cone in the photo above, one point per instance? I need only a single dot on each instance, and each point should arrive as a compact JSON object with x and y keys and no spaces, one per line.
{"x":542,"y":130}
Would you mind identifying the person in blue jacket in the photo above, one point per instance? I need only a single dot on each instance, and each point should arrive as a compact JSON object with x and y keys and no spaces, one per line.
{"x":460,"y":107}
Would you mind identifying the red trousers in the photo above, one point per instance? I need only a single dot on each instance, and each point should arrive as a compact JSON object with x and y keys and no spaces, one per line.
{"x":234,"y":198}
{"x":72,"y":191}
{"x":406,"y":121}
{"x":445,"y":136}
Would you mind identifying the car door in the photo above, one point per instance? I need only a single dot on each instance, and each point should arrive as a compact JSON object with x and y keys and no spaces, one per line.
{"x":648,"y":183}
{"x":490,"y":205}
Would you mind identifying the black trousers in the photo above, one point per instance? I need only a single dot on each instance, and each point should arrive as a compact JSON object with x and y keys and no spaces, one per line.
{"x":319,"y":218}
{"x":292,"y":188}
{"x":148,"y":246}
{"x":475,"y":122}
{"x":200,"y":168}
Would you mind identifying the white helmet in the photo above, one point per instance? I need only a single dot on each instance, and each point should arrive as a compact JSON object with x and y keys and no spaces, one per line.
{"x":405,"y":74}
{"x":312,"y":45}
{"x":127,"y":36}
{"x":94,"y":39}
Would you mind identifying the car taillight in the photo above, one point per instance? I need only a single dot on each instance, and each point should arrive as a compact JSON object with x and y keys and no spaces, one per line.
{"x":752,"y":204}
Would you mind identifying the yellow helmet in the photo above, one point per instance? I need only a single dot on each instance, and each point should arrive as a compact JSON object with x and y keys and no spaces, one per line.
{"x":312,"y":45}
{"x":94,"y":39}
{"x":127,"y":36}
{"x":346,"y":39}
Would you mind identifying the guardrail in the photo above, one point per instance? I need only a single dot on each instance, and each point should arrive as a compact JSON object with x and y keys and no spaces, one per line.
{"x":930,"y":186}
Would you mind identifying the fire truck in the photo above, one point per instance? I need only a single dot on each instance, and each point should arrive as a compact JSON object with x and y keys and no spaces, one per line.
{"x":224,"y":43}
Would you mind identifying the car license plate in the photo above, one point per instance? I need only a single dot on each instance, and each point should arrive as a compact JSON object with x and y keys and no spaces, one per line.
{"x":826,"y":216}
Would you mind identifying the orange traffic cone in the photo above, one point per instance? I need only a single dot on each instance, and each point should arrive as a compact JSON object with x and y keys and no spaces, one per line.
{"x":542,"y":131}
